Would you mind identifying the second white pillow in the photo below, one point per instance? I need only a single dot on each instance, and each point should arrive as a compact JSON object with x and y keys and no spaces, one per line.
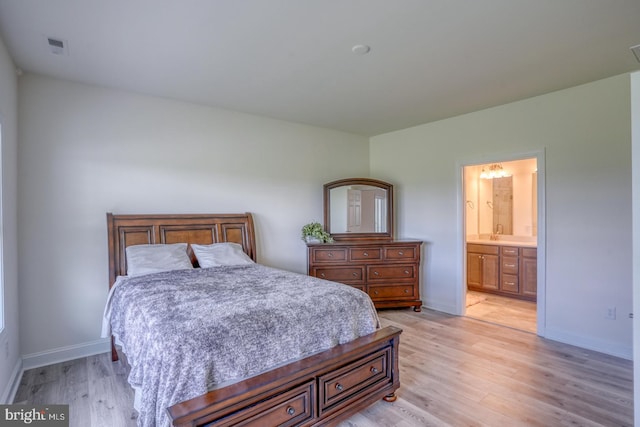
{"x":220,"y":254}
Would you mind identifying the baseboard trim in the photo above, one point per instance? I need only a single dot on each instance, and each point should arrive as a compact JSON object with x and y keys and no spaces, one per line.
{"x":14,"y":382}
{"x":449,"y":309}
{"x":612,"y":349}
{"x":63,"y":354}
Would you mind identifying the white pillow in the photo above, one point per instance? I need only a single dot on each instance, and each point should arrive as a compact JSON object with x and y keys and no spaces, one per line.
{"x":147,"y":259}
{"x":220,"y":254}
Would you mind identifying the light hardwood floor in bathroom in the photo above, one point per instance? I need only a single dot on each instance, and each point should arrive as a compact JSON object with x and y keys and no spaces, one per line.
{"x":511,"y":312}
{"x":454,"y":371}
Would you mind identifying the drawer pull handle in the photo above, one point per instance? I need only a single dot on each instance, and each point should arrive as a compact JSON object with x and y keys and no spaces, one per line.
{"x":291,"y":410}
{"x":339,"y":387}
{"x":406,"y":291}
{"x":509,"y":265}
{"x":376,"y":273}
{"x":509,"y":283}
{"x":354,"y":274}
{"x":330,"y":254}
{"x":374,"y":370}
{"x":322,"y":275}
{"x":365,"y":253}
{"x":400,"y":253}
{"x":375,"y":292}
{"x":406,"y":272}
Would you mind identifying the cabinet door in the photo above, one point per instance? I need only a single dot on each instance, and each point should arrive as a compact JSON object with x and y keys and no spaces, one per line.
{"x":529,"y":277}
{"x":474,"y":270}
{"x":490,"y":268}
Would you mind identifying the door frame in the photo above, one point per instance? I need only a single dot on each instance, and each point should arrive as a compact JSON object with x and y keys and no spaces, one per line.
{"x":461,"y":288}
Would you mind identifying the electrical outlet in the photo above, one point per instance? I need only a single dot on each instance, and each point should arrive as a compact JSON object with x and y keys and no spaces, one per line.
{"x":611,"y":313}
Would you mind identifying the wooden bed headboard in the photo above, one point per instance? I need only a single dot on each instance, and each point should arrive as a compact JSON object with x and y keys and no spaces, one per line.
{"x":204,"y":229}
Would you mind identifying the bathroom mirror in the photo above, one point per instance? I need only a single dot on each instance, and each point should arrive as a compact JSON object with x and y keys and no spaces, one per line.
{"x":505,"y":205}
{"x":358,"y":208}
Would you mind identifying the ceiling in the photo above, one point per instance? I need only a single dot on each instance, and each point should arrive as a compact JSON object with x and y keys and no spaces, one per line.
{"x":293,"y":59}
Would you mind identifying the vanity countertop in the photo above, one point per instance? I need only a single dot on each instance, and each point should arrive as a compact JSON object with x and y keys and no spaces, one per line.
{"x":503,"y":243}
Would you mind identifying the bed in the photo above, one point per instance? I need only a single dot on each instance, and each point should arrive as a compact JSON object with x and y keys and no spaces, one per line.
{"x":319,"y":386}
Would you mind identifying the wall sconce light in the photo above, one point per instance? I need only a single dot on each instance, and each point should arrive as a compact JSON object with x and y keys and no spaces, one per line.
{"x":495,"y":170}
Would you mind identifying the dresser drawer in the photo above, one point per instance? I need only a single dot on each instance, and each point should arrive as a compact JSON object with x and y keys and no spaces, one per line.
{"x":319,"y":255}
{"x":509,"y":283}
{"x":395,"y":272}
{"x":530,"y":252}
{"x":291,"y":408}
{"x":400,"y":253}
{"x":392,"y":291}
{"x":343,"y":383}
{"x":364,"y":254}
{"x":509,"y":265}
{"x":340,"y":274}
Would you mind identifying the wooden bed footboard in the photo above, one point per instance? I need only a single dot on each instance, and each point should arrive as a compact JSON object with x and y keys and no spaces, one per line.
{"x":322,"y":389}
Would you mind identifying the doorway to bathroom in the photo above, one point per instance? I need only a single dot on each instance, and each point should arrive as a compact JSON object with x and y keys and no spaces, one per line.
{"x":501,"y":217}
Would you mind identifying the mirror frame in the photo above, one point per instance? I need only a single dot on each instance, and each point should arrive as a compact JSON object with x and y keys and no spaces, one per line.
{"x":388,"y":235}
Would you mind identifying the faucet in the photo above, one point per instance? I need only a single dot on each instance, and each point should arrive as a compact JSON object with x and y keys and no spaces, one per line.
{"x":498,"y":232}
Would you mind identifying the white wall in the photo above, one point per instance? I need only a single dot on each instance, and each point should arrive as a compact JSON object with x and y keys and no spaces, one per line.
{"x":635,"y":137}
{"x":586,"y":134}
{"x":85,"y":151}
{"x":9,"y":365}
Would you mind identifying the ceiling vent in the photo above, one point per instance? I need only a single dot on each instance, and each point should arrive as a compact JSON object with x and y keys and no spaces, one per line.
{"x":57,"y":46}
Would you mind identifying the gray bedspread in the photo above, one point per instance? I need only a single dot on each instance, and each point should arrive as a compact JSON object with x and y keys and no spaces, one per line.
{"x":186,"y":331}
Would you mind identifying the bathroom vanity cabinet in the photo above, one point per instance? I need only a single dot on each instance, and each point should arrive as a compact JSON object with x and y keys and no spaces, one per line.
{"x":500,"y":269}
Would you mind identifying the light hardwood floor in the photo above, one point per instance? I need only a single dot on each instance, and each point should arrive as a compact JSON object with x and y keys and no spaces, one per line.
{"x":454,"y":371}
{"x":511,"y":312}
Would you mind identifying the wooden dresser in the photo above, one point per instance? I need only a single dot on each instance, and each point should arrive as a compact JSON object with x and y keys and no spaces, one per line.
{"x":388,"y":270}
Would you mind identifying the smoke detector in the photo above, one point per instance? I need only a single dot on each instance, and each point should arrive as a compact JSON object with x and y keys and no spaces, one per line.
{"x":361,"y":49}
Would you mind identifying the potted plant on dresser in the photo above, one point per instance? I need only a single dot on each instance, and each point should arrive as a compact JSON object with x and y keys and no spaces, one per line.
{"x":315,"y":233}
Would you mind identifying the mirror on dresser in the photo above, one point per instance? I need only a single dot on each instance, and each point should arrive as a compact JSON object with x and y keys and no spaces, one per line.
{"x":358,"y":208}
